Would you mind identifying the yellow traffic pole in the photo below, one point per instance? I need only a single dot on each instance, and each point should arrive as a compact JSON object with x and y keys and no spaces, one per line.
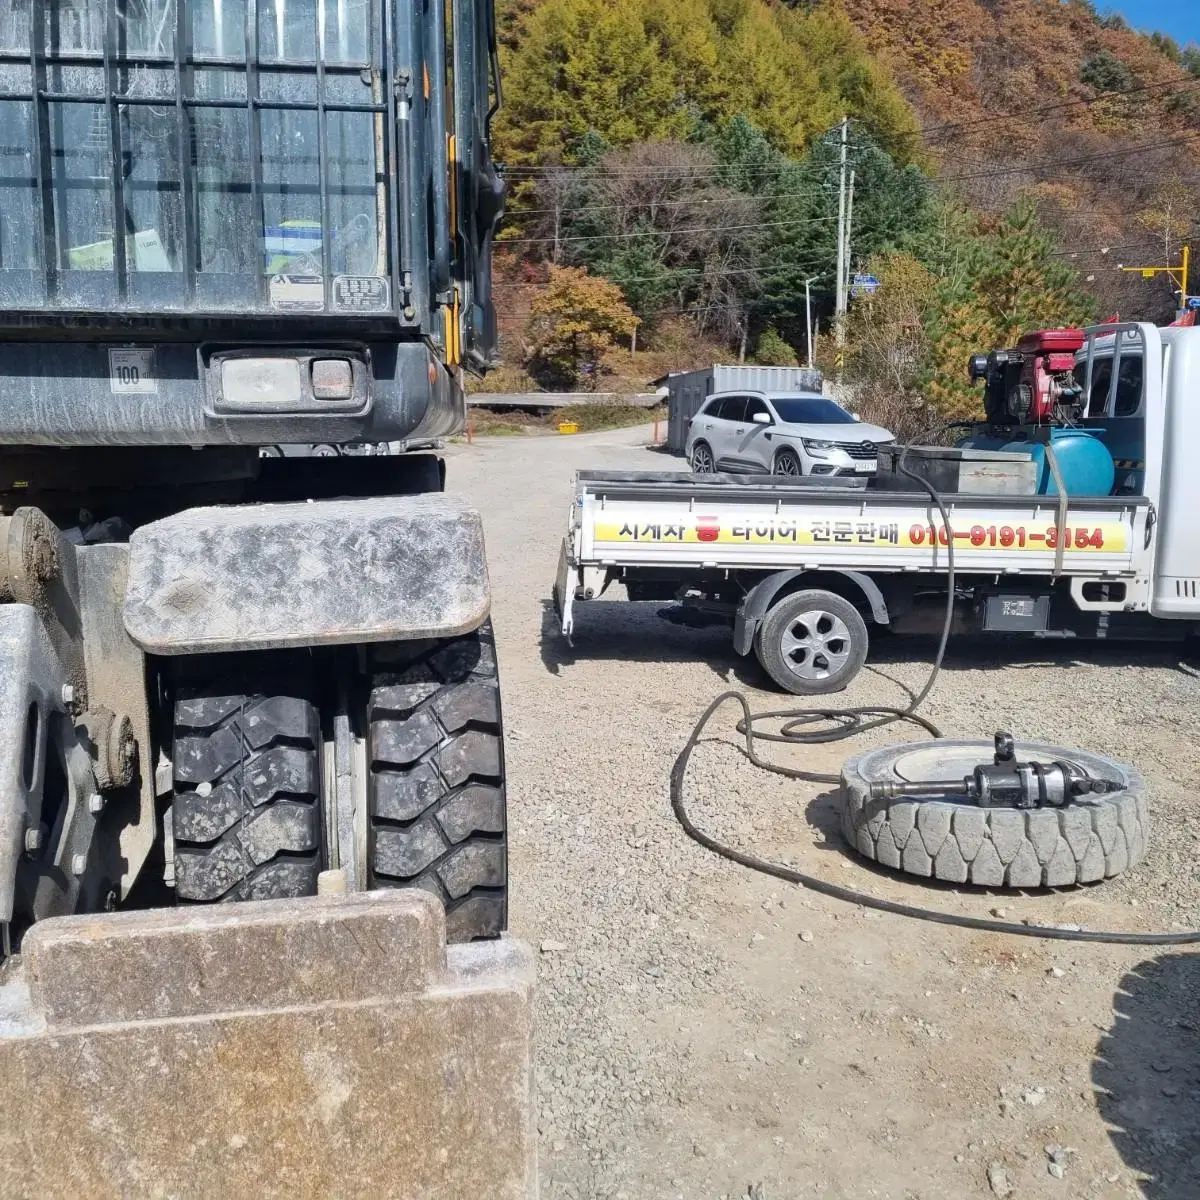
{"x":1178,"y":275}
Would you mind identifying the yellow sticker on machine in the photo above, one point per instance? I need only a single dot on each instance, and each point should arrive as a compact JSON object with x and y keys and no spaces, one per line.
{"x":781,"y":530}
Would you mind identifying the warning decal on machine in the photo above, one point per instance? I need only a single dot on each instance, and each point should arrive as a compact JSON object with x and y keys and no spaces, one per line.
{"x":296,"y":293}
{"x":131,"y":372}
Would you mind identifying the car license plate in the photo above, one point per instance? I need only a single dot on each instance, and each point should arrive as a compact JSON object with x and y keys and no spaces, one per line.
{"x":866,"y":465}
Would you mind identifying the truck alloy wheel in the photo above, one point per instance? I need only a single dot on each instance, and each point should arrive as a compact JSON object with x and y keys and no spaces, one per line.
{"x":812,"y":642}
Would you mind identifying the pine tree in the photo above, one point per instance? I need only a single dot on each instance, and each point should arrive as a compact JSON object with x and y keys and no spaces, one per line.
{"x":587,"y":66}
{"x":635,"y":70}
{"x":1011,"y":282}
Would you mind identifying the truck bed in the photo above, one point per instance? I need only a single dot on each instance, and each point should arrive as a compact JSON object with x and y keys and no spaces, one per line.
{"x":626,"y":519}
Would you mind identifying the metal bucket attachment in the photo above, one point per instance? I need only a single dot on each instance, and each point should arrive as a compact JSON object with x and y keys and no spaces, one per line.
{"x":318,"y":1047}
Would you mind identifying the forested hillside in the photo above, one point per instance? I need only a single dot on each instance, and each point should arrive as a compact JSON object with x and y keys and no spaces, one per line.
{"x":674,"y":173}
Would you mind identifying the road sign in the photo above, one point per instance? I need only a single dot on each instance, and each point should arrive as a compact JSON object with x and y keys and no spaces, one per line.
{"x":862,"y":285}
{"x":1193,"y":302}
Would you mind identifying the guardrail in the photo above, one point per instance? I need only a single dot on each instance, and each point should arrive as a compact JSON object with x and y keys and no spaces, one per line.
{"x":547,"y":401}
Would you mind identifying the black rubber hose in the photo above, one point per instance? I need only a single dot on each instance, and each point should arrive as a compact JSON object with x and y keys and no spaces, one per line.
{"x":837,"y":724}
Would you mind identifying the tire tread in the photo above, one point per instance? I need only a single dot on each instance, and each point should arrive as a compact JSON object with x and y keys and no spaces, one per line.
{"x":246,"y":805}
{"x":437,"y":792}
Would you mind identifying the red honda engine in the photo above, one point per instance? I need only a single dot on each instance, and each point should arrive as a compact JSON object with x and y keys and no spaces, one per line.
{"x":1031,"y":383}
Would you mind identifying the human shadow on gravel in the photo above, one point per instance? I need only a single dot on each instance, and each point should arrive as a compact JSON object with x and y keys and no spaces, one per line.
{"x":629,"y":632}
{"x":1147,"y":1075}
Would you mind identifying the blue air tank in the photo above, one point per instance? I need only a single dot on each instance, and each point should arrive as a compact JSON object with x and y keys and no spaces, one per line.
{"x":1084,"y":461}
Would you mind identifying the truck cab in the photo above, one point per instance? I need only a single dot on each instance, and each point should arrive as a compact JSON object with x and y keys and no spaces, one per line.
{"x":1142,"y":387}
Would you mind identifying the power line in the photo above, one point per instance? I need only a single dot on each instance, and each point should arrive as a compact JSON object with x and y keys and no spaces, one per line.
{"x":738,"y":198}
{"x":605,"y":237}
{"x":1048,"y":163}
{"x":667,"y":172}
{"x":1177,"y":85}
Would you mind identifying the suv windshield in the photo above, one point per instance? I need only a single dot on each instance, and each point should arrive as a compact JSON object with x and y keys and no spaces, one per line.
{"x":810,"y":410}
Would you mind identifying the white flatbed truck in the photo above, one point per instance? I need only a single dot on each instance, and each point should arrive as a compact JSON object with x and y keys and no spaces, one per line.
{"x":803,"y":567}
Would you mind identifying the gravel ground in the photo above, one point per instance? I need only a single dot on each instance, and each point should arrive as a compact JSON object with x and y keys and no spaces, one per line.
{"x":708,"y":1032}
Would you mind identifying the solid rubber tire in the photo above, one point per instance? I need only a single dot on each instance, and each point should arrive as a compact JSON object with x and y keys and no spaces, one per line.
{"x":782,"y":613}
{"x":1090,"y":839}
{"x":437,"y":803}
{"x":246,"y":810}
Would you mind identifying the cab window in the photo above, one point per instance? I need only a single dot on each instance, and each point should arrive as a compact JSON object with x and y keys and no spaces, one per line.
{"x":1129,"y":385}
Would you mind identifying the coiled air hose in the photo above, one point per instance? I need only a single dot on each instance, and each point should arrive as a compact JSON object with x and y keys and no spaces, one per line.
{"x":815,"y":726}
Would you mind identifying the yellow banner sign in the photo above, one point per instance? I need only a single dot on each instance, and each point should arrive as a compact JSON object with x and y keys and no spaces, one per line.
{"x":770,"y":530}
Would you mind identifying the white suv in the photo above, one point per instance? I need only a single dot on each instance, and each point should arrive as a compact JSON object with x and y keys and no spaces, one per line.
{"x":800,"y":433}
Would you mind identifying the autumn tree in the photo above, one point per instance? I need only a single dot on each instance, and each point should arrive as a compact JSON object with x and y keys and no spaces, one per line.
{"x":1170,"y":215}
{"x":661,"y":223}
{"x":574,"y":320}
{"x":887,"y":328}
{"x":642,"y":70}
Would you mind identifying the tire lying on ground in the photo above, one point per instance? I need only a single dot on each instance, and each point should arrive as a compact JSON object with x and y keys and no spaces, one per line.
{"x":949,"y":838}
{"x":437,"y":796}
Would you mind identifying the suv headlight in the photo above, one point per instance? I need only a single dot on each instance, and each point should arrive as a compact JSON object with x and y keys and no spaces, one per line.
{"x":817,"y":444}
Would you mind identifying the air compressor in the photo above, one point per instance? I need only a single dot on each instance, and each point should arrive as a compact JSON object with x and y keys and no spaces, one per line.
{"x":1032,"y":399}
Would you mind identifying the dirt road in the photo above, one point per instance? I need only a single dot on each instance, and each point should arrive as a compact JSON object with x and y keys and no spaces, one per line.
{"x":706,"y":1032}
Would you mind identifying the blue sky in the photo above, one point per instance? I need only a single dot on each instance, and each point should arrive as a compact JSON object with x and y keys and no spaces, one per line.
{"x":1179,"y":18}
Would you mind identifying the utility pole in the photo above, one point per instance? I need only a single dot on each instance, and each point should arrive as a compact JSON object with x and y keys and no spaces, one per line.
{"x":849,"y":234}
{"x":839,"y":317}
{"x":808,"y":325}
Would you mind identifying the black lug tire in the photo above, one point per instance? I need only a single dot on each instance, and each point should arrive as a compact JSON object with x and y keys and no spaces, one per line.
{"x":437,"y":796}
{"x":785,"y":612}
{"x":1089,"y":839}
{"x":246,"y":810}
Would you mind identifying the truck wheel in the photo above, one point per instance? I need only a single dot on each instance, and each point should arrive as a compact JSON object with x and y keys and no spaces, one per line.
{"x":1090,"y":839}
{"x":812,"y":642}
{"x":437,"y":802}
{"x":247,"y":780}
